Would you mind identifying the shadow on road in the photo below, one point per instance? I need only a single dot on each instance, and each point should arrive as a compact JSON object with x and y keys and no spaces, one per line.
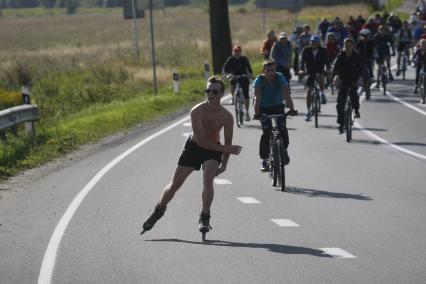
{"x":284,"y":249}
{"x":322,"y":193}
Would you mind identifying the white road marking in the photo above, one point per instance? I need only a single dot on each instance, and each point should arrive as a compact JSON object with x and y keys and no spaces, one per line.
{"x":221,"y":181}
{"x":186,"y":134}
{"x":406,"y":104}
{"x":49,"y":259}
{"x":337,"y":253}
{"x":248,"y":200}
{"x":384,"y":141}
{"x":187,"y":124}
{"x":285,"y":223}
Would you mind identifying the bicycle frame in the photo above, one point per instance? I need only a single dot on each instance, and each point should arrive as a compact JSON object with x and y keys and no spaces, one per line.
{"x":383,"y":77}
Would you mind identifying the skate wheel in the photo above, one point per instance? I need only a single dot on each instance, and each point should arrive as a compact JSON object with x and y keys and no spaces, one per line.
{"x":203,"y":236}
{"x":143,"y":232}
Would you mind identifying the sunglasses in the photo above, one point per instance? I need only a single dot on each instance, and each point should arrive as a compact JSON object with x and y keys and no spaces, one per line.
{"x":214,"y":92}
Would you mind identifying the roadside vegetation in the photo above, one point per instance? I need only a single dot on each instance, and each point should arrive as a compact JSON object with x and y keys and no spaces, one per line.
{"x":87,"y":83}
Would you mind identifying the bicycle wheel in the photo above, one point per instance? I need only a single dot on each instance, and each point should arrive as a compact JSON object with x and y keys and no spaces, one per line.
{"x":281,"y":167}
{"x":316,"y":106}
{"x":367,"y":87}
{"x":424,"y":90}
{"x":238,"y":108}
{"x":273,"y":154}
{"x":404,"y":67}
{"x":384,"y":82}
{"x":348,"y":122}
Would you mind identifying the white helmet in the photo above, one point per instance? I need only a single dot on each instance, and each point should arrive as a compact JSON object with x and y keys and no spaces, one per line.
{"x":365,"y":32}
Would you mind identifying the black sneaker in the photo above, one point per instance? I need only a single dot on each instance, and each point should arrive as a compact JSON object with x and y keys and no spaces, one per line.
{"x":204,"y":222}
{"x":265,"y":166}
{"x":153,"y":217}
{"x":357,"y":114}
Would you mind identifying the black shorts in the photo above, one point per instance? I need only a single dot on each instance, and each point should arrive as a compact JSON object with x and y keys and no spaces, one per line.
{"x":194,"y":156}
{"x":310,"y":80}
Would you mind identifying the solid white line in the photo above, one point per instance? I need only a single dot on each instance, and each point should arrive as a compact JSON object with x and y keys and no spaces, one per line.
{"x":221,"y":181}
{"x":406,"y":104}
{"x":387,"y":143}
{"x":337,"y":253}
{"x":248,"y":200}
{"x":284,"y":223}
{"x":49,"y":259}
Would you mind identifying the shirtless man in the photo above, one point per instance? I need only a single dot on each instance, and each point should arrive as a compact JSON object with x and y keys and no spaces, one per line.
{"x":202,"y":148}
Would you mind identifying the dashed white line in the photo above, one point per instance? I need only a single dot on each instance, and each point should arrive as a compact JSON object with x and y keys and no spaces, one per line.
{"x":337,"y":253}
{"x":221,"y":181}
{"x":186,"y":124}
{"x":186,"y":134}
{"x":248,"y":200}
{"x":285,"y":223}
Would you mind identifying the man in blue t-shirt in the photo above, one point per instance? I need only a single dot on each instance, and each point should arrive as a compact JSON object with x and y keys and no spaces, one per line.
{"x":270,"y":90}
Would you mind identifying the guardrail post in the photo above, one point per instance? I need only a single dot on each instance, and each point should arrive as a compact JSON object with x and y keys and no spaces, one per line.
{"x":29,"y":126}
{"x":206,"y":69}
{"x":175,"y":81}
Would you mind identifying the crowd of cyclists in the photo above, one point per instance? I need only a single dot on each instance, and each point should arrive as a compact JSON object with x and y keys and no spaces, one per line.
{"x":337,"y":53}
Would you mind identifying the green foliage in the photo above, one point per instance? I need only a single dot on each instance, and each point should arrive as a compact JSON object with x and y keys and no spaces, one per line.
{"x":9,"y":99}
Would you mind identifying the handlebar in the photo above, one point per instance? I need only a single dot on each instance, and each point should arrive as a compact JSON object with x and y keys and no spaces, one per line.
{"x":270,"y":116}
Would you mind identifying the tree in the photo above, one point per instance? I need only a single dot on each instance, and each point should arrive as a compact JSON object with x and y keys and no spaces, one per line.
{"x":220,"y":33}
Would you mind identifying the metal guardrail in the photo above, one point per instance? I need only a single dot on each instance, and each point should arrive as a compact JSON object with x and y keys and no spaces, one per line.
{"x":11,"y":117}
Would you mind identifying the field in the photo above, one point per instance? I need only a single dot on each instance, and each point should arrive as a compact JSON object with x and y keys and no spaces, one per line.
{"x":84,"y":74}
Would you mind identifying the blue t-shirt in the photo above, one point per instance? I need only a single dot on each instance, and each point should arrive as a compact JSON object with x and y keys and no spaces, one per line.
{"x":271,"y":93}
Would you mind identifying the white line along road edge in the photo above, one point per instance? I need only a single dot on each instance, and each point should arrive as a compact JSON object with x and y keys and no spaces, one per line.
{"x":49,"y":259}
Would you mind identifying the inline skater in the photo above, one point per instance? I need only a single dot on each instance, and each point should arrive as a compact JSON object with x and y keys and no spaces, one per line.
{"x":202,"y":149}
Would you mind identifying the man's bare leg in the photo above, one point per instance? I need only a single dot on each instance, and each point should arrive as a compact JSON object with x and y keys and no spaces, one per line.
{"x":179,"y":177}
{"x":210,"y":169}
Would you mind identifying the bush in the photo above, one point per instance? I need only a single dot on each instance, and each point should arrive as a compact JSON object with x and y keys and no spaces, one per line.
{"x":9,"y":99}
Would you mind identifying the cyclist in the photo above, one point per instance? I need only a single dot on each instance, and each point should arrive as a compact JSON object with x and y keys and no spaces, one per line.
{"x":268,"y":43}
{"x":236,"y":65}
{"x":313,"y":62}
{"x":270,"y":89}
{"x":322,"y":28}
{"x":420,"y":62}
{"x":382,"y":42}
{"x":282,"y":54}
{"x":365,"y":47}
{"x":347,"y":70}
{"x":202,"y":148}
{"x":294,"y":38}
{"x":339,"y":30}
{"x":404,"y":44}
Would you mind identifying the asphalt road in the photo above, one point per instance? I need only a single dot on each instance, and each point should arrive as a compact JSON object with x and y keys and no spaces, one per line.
{"x":355,"y":212}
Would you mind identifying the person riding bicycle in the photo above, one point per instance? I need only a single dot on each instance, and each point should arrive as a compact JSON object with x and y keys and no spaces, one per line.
{"x":404,"y":38}
{"x":365,"y":47}
{"x":313,"y":62}
{"x":382,"y":42}
{"x":347,"y":70}
{"x":270,"y":89}
{"x":282,"y":53}
{"x":267,"y":44}
{"x":236,"y":65}
{"x":420,"y":63}
{"x":339,"y":30}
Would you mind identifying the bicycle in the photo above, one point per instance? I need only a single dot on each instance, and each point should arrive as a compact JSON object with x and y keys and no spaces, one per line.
{"x":367,"y":82}
{"x":316,"y":100}
{"x":382,"y":76}
{"x":422,"y":86}
{"x":278,"y":157}
{"x":404,"y":58}
{"x":239,"y":99}
{"x":349,"y":115}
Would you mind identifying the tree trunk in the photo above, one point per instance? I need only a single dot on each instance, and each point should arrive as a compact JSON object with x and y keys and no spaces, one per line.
{"x":220,"y":33}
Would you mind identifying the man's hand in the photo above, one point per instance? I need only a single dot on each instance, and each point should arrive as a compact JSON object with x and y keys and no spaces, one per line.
{"x":233,"y":149}
{"x":220,"y":170}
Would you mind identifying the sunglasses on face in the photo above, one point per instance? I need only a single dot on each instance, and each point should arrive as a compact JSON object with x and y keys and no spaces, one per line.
{"x":214,"y":92}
